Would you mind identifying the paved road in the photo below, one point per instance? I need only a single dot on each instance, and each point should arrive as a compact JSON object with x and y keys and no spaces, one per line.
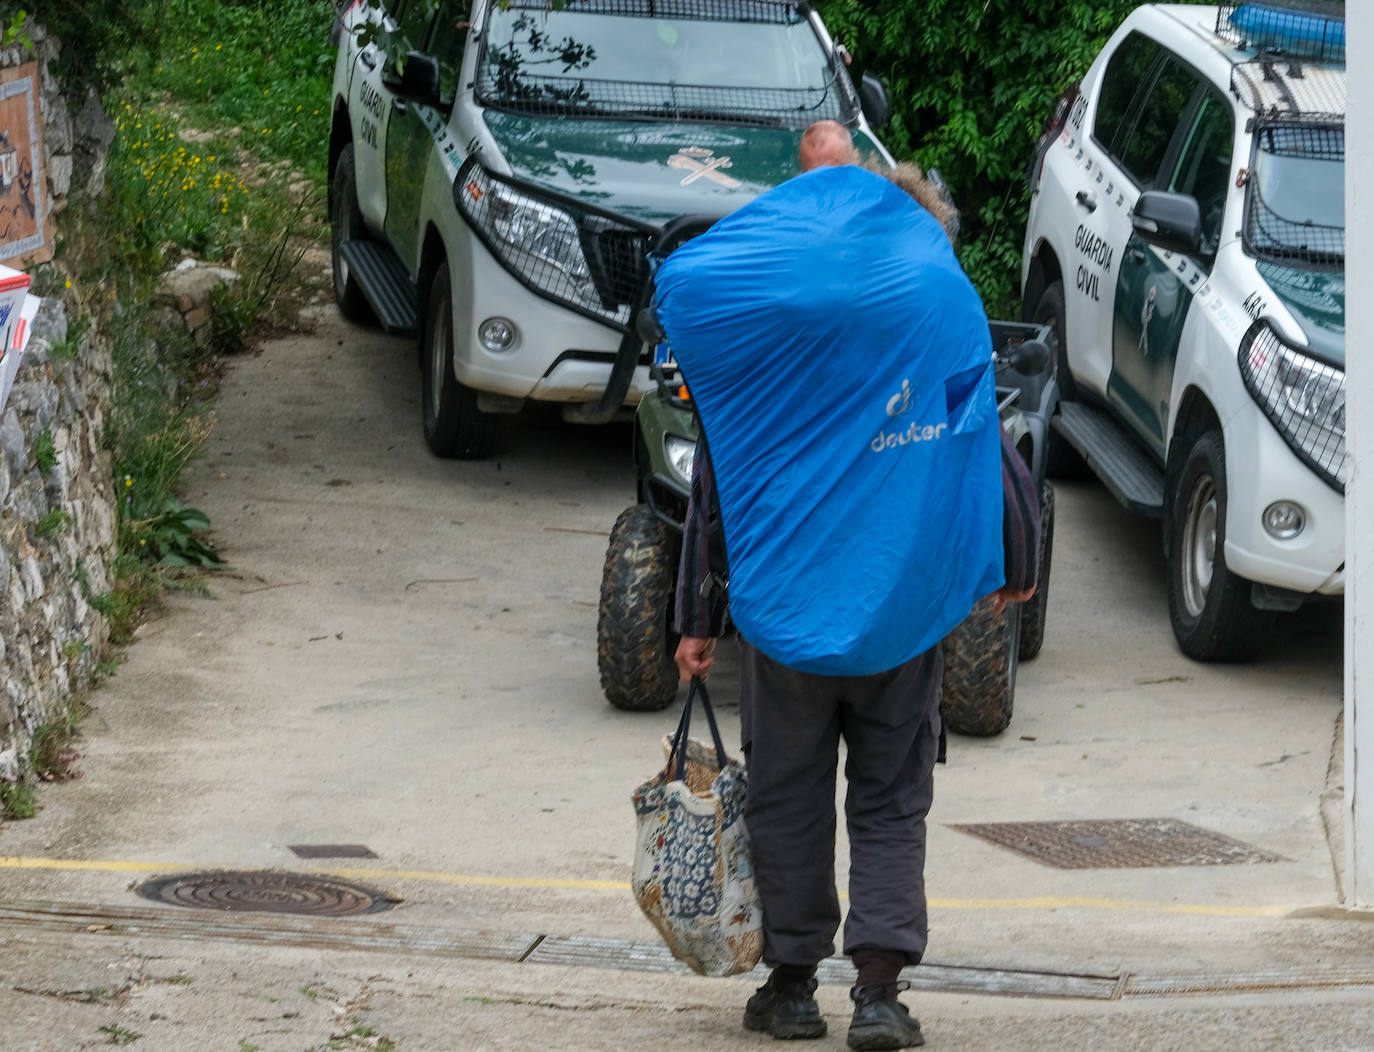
{"x":401,"y":656}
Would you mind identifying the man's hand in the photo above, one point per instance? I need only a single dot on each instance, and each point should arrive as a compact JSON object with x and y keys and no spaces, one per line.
{"x":694,"y":657}
{"x":1003,"y":596}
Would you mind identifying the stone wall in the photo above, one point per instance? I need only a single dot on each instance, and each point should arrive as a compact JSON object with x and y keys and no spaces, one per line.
{"x":57,"y":519}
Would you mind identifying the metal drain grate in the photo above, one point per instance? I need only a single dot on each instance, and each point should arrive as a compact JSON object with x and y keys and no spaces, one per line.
{"x":267,"y":891}
{"x":1124,"y":843}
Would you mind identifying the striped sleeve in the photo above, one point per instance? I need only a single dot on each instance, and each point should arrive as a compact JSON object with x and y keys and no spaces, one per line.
{"x":1020,"y":519}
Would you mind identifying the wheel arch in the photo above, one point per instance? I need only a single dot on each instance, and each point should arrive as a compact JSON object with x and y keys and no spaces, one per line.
{"x":1195,"y":417}
{"x":340,"y":133}
{"x":433,"y":253}
{"x":1044,"y":271}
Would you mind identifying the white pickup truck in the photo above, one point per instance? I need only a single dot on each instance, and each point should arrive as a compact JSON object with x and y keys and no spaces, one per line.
{"x":1186,"y":243}
{"x":499,"y":172}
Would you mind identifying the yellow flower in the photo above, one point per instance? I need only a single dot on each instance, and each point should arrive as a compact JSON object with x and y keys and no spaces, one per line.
{"x":128,"y":480}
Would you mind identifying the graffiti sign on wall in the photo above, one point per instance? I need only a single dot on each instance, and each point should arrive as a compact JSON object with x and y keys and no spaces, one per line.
{"x":23,"y":190}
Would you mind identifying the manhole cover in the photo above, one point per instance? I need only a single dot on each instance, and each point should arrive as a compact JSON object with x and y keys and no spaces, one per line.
{"x":1118,"y":843}
{"x":267,"y":891}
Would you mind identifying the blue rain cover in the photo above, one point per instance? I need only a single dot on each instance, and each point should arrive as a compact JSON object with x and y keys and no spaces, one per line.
{"x":841,"y":364}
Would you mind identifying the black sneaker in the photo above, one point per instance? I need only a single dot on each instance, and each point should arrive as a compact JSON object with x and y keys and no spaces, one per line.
{"x":786,"y":1009}
{"x":881,"y":1022}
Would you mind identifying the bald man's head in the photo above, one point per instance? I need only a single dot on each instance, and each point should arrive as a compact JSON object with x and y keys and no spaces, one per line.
{"x":827,"y":143}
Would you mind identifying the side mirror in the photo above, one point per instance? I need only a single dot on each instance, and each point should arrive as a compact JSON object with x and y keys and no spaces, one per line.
{"x":418,"y":80}
{"x":1172,"y":222}
{"x":873,"y":99}
{"x":1029,"y":358}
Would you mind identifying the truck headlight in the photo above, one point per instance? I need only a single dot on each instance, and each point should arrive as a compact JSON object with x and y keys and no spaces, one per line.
{"x":538,"y":242}
{"x":1304,"y":399}
{"x":680,"y":453}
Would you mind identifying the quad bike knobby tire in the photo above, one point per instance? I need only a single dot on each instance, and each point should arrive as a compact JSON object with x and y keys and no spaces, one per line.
{"x":1033,"y":612}
{"x":980,"y":671}
{"x":635,"y":641}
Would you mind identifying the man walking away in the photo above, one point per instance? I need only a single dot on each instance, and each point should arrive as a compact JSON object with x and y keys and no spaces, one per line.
{"x":854,"y":455}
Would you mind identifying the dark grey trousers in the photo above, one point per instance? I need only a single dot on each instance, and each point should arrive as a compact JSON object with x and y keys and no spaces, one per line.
{"x":792,"y":723}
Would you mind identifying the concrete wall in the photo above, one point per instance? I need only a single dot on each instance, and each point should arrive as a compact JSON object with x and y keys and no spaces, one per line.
{"x":50,"y":636}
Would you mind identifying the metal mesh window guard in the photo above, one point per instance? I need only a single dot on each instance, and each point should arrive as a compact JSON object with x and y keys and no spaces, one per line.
{"x":1270,"y":87}
{"x":1312,"y":29}
{"x":1268,"y":233}
{"x":1303,"y":398}
{"x":574,"y":66}
{"x":585,"y":260}
{"x":585,"y":97}
{"x":783,"y":12}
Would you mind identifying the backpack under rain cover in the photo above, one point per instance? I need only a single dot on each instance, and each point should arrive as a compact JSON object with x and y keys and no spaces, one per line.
{"x":841,"y":364}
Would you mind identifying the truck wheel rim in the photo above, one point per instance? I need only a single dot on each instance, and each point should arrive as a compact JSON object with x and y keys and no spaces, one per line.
{"x":1199,"y":545}
{"x":438,"y":358}
{"x":341,"y":231}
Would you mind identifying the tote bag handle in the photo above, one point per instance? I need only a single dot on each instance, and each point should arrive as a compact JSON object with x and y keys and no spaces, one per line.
{"x":678,"y":752}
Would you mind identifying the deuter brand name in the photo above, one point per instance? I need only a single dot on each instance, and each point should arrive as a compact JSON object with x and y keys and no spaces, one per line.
{"x":912,"y":433}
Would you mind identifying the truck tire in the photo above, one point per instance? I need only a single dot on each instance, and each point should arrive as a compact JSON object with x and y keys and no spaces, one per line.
{"x":1033,"y":612}
{"x":1209,"y":606}
{"x":454,"y":426}
{"x":635,"y":641}
{"x":1061,"y":459}
{"x":980,"y":671}
{"x":346,"y":224}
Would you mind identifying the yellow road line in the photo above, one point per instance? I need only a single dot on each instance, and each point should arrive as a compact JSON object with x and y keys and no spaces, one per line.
{"x":1047,"y":902}
{"x":93,"y":865}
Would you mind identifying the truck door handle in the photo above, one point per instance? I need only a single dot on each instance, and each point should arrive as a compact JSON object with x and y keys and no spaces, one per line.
{"x":368,"y":59}
{"x":1087,"y":199}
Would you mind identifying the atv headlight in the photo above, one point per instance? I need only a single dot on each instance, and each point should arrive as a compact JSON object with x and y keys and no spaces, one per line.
{"x":536,"y":241}
{"x":680,"y":453}
{"x":1303,"y":398}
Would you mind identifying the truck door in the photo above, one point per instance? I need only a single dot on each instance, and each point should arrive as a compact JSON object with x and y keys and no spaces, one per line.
{"x":415,"y":129}
{"x":368,"y":114}
{"x":1155,"y":288}
{"x":405,"y":133}
{"x":1103,"y":193}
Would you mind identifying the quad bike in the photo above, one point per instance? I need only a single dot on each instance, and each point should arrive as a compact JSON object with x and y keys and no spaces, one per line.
{"x":636,"y":640}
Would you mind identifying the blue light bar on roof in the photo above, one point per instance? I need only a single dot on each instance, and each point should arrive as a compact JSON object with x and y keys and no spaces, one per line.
{"x":1291,"y":31}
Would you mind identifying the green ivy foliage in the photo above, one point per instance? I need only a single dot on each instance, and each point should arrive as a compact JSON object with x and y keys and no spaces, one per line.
{"x":971,"y":85}
{"x":92,"y":32}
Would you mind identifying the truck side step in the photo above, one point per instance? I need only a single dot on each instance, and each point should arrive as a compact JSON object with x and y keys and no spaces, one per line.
{"x":1124,"y":468}
{"x":382,"y":277}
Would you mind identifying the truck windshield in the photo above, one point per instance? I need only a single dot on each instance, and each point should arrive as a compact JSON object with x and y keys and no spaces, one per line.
{"x":750,"y":60}
{"x":1295,"y":209}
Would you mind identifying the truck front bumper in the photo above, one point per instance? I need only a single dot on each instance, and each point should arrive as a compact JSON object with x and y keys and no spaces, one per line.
{"x":1261,"y":469}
